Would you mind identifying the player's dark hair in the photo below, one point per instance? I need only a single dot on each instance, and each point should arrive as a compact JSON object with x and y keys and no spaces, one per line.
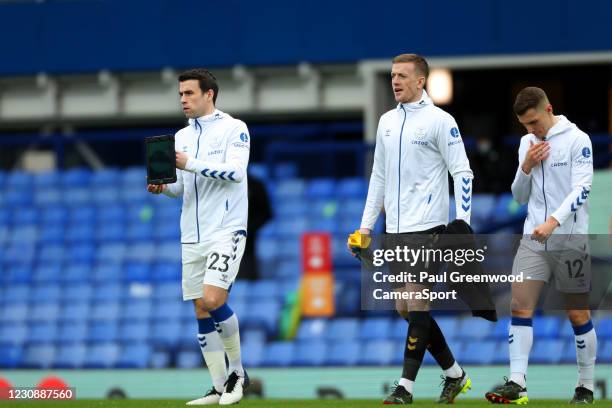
{"x":528,"y":98}
{"x":204,"y":77}
{"x":419,"y":62}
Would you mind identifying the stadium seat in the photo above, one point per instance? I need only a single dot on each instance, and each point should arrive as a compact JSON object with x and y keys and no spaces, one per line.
{"x":136,"y":271}
{"x":50,"y":292}
{"x":13,"y":333}
{"x":278,"y":354}
{"x":321,"y":188}
{"x":500,"y":329}
{"x":103,"y":355}
{"x":78,"y":292}
{"x":16,"y":293}
{"x":166,"y":333}
{"x":81,"y":252}
{"x":252,"y":352}
{"x":102,"y":331}
{"x":141,"y":252}
{"x":108,"y":311}
{"x":253,"y":335}
{"x":479,"y":352}
{"x":111,"y":252}
{"x":377,"y":353}
{"x":44,"y":312}
{"x":546,"y":327}
{"x":72,"y":332}
{"x":76,"y":273}
{"x":47,"y":272}
{"x":10,"y":356}
{"x":604,"y":328}
{"x":167,"y":290}
{"x":168,"y":310}
{"x":105,"y":197}
{"x":78,"y":177}
{"x":136,"y":309}
{"x":352,"y":188}
{"x":139,"y":232}
{"x":546,"y":351}
{"x":111,"y":231}
{"x":502,"y":356}
{"x":263,"y":289}
{"x":108,"y":292}
{"x":605,"y":352}
{"x":312,"y":329}
{"x":375,"y":328}
{"x":25,"y":216}
{"x":343,"y":353}
{"x":310,"y":353}
{"x":161,"y":359}
{"x":264,"y":313}
{"x":14,"y":312}
{"x":38,"y":356}
{"x":449,"y":325}
{"x":166,"y":271}
{"x":106,"y":272}
{"x":342,"y":329}
{"x":189,"y":359}
{"x":472,"y":328}
{"x":289,"y":188}
{"x":135,"y":355}
{"x":70,"y":355}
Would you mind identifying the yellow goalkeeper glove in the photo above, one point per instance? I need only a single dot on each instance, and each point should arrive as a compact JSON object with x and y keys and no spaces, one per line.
{"x":358,"y":242}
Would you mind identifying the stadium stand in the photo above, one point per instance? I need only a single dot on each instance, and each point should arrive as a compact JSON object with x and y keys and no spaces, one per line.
{"x":106,"y":280}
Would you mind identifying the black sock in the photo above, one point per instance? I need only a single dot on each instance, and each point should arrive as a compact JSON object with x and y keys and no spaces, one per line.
{"x":416,"y":343}
{"x":438,"y":347}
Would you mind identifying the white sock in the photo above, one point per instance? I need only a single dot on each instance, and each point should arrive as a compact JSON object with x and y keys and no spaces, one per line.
{"x":227,"y":323}
{"x":454,"y":371}
{"x":407,"y":384}
{"x":586,"y":351}
{"x":212,"y":350}
{"x":520,"y":340}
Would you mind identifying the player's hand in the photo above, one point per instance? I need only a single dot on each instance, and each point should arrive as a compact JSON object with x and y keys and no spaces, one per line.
{"x":181,"y":160}
{"x":543,"y":231}
{"x":358,"y":241}
{"x":156,"y":188}
{"x":536,"y":153}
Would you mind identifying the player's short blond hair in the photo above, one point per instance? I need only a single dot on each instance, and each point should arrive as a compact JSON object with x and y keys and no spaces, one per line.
{"x":419,"y":62}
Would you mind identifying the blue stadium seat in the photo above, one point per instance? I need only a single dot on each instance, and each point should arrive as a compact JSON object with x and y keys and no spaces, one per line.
{"x":110,"y":213}
{"x":342,"y":329}
{"x":72,"y":332}
{"x":81,"y":252}
{"x":141,"y":252}
{"x":14,"y":312}
{"x":44,"y":312}
{"x":102,"y":331}
{"x":263,"y":289}
{"x":106,"y":272}
{"x":167,"y":231}
{"x":26,"y":216}
{"x":79,"y":233}
{"x":23,"y":234}
{"x":263,"y":313}
{"x":140,"y":232}
{"x":103,"y":355}
{"x":604,"y":328}
{"x":168,"y":310}
{"x":605,"y":352}
{"x":399,"y":329}
{"x":108,"y":310}
{"x":292,"y":228}
{"x":16,"y":293}
{"x":569,"y":351}
{"x":52,"y":233}
{"x":343,"y":353}
{"x":112,"y":252}
{"x":38,"y":356}
{"x":136,"y":355}
{"x":278,"y":354}
{"x":79,"y":198}
{"x":13,"y":333}
{"x":111,"y":231}
{"x":47,"y":272}
{"x":479,"y":352}
{"x":105,"y":196}
{"x":377,"y":353}
{"x":136,"y":309}
{"x":17,"y":198}
{"x":473,"y":328}
{"x":312,"y":329}
{"x":47,"y":196}
{"x":136,"y":271}
{"x":352,"y":188}
{"x":310,"y":353}
{"x":166,"y":271}
{"x":136,"y":176}
{"x":50,"y":292}
{"x":47,"y":179}
{"x":70,"y":355}
{"x":239,"y":290}
{"x":167,"y":290}
{"x":19,"y":254}
{"x":79,"y":177}
{"x":546,"y":351}
{"x":19,"y":179}
{"x":54,"y":214}
{"x":103,"y":177}
{"x":546,"y":327}
{"x":76,"y":273}
{"x":51,"y":253}
{"x":296,"y":207}
{"x":290,"y":188}
{"x":165,"y":333}
{"x":135,"y":195}
{"x":169,"y":252}
{"x":75,"y":311}
{"x":253,"y":335}
{"x":134,"y":331}
{"x":321,"y":188}
{"x":253,"y":353}
{"x":17,"y":274}
{"x":375,"y":328}
{"x":162,"y":359}
{"x":502,"y":356}
{"x":347,"y":295}
{"x":77,"y":292}
{"x":500,"y":329}
{"x":10,"y":356}
{"x":189,"y":359}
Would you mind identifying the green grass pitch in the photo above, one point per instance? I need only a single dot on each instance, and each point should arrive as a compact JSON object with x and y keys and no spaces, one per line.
{"x":272,"y":403}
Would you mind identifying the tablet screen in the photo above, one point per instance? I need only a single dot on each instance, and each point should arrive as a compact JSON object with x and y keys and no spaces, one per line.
{"x":161,"y":160}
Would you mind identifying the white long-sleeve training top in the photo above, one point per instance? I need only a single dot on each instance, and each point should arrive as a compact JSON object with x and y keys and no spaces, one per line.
{"x":214,"y":182}
{"x":560,"y":185}
{"x":417,"y":144}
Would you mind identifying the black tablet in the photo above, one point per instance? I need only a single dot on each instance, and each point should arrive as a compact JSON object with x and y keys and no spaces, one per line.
{"x":161,"y":159}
